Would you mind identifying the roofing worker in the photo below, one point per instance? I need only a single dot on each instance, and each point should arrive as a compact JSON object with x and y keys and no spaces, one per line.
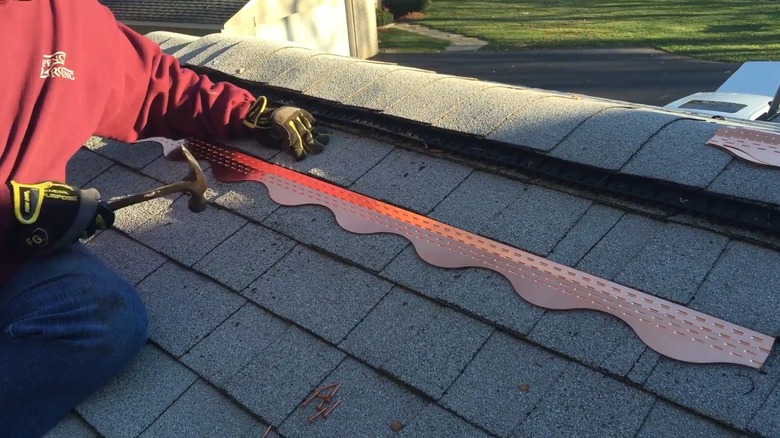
{"x":68,"y":322}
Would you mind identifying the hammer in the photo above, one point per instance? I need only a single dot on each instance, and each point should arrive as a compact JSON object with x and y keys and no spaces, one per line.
{"x":194,"y":184}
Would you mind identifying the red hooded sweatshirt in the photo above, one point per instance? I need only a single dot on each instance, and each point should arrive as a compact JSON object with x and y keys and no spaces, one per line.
{"x":70,"y":71}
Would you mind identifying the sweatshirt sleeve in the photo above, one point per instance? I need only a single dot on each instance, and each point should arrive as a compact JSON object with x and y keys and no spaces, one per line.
{"x":158,"y":97}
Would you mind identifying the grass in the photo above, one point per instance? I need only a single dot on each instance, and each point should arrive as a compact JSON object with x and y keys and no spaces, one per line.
{"x":394,"y":40}
{"x":722,"y":30}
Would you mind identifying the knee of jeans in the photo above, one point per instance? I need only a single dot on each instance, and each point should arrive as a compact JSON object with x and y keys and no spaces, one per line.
{"x":133,"y":324}
{"x":97,"y":312}
{"x":122,"y":315}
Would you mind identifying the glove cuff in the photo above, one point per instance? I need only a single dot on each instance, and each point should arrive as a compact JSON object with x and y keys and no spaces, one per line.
{"x":258,"y":115}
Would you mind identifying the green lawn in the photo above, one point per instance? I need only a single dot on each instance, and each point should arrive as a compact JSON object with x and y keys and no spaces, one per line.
{"x":725,"y":30}
{"x":395,"y":40}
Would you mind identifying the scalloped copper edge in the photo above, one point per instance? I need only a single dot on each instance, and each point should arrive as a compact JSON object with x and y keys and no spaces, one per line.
{"x":668,"y":328}
{"x":752,"y":145}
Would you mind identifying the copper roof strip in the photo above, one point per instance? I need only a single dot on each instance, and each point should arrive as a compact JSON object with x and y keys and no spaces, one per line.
{"x":668,"y":328}
{"x":759,"y":147}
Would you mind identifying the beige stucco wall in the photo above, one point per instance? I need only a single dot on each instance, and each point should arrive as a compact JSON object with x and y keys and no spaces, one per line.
{"x":318,"y":24}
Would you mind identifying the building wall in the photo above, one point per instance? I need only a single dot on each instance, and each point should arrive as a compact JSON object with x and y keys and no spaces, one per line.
{"x":341,"y":27}
{"x":362,"y":31}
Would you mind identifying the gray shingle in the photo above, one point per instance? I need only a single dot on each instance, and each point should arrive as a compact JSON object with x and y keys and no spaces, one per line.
{"x":244,"y":256}
{"x":643,"y":367}
{"x":589,"y":230}
{"x":232,"y":345}
{"x":309,"y":73}
{"x":184,"y":307}
{"x":412,"y":180}
{"x":610,"y":138}
{"x":620,"y":246}
{"x":537,"y":219}
{"x":259,"y":61}
{"x":432,"y":101}
{"x":175,"y":11}
{"x":420,"y":342}
{"x":767,"y":420}
{"x":379,"y":95}
{"x":315,"y":226}
{"x":280,"y":378}
{"x":341,"y":84}
{"x":486,"y":109}
{"x":247,"y":198}
{"x":666,"y":420}
{"x":585,"y":403}
{"x":133,"y":400}
{"x":85,"y":165}
{"x":262,"y":430}
{"x":740,"y":288}
{"x":369,"y":404}
{"x":468,"y":208}
{"x":346,"y":159}
{"x":674,"y":263}
{"x":503,"y":383}
{"x":129,"y":258}
{"x":170,"y":42}
{"x":206,"y":48}
{"x":542,"y":124}
{"x":625,"y":358}
{"x":679,"y":154}
{"x":170,"y":171}
{"x":434,"y":421}
{"x":386,"y":94}
{"x":728,"y":393}
{"x":186,"y":236}
{"x":482,"y":292}
{"x":319,"y":293}
{"x":590,"y":337}
{"x":748,"y":181}
{"x":201,"y":411}
{"x":118,"y":181}
{"x":72,"y":426}
{"x":135,"y":155}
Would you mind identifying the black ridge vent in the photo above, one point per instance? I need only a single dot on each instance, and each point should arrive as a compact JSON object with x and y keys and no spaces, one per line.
{"x":673,"y":198}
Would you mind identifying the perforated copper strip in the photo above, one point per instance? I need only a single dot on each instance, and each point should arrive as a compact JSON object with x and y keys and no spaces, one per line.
{"x":668,"y":328}
{"x":749,"y":144}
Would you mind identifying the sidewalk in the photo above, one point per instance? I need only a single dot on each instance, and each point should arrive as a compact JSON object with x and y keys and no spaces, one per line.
{"x":458,"y":43}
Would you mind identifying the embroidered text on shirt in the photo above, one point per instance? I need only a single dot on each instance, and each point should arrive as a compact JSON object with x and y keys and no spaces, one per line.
{"x":54,"y":67}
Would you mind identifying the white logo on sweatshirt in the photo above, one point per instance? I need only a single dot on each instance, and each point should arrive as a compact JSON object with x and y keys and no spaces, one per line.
{"x":54,"y":67}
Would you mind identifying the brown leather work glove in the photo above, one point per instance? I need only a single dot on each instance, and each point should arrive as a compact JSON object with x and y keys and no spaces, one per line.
{"x":286,"y":127}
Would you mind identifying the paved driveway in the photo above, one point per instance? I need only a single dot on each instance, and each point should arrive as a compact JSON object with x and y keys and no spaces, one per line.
{"x":634,"y":75}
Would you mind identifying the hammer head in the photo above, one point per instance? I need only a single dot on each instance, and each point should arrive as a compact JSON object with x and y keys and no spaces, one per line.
{"x":194,"y":185}
{"x":198,"y":184}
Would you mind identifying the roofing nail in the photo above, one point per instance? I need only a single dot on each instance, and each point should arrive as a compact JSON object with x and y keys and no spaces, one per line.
{"x":315,"y":415}
{"x":311,"y":397}
{"x":330,"y":409}
{"x":322,"y":404}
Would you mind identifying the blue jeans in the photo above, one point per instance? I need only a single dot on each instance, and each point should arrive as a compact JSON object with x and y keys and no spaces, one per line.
{"x":68,"y":324}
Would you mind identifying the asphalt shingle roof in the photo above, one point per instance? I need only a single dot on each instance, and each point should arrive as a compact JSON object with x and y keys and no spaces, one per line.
{"x":253,"y":305}
{"x":215,"y":12}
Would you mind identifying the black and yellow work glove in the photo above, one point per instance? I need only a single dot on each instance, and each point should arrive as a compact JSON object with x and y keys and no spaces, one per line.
{"x":49,"y":216}
{"x":286,"y":127}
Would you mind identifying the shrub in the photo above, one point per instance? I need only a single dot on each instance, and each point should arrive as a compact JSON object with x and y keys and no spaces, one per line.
{"x":383,"y":18}
{"x":399,"y":8}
